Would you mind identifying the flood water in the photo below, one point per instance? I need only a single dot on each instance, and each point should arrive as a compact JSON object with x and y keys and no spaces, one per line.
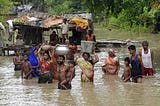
{"x":105,"y":91}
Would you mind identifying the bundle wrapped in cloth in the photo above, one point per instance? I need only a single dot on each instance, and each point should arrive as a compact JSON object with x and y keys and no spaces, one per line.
{"x":80,"y":22}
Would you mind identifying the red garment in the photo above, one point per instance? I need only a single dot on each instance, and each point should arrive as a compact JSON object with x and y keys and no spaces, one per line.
{"x":148,"y":71}
{"x":45,"y":66}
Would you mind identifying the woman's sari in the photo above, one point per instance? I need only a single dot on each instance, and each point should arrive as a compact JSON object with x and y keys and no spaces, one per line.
{"x":111,"y":65}
{"x":87,"y":70}
{"x":34,"y":62}
{"x":45,"y":73}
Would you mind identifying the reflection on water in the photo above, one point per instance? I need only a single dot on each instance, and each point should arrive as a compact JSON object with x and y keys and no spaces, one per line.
{"x":106,"y":90}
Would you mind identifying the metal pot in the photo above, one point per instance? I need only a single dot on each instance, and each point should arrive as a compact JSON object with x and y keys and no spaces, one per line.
{"x":62,"y":49}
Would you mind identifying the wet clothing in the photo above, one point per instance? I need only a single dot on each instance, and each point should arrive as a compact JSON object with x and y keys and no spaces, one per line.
{"x":45,"y":65}
{"x":45,"y":77}
{"x":146,"y":59}
{"x":17,"y":68}
{"x":147,"y":71}
{"x":84,"y":78}
{"x":136,"y":71}
{"x":111,"y":65}
{"x":34,"y":62}
{"x":45,"y":74}
{"x":87,"y":68}
{"x":67,"y":85}
{"x":147,"y":63}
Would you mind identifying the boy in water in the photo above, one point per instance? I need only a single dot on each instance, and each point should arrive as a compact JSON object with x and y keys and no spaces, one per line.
{"x":127,"y":70}
{"x":26,"y":68}
{"x":17,"y":60}
{"x":71,"y":71}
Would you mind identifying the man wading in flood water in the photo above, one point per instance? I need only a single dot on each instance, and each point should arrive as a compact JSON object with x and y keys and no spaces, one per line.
{"x":137,"y":65}
{"x":147,"y":59}
{"x":63,"y":83}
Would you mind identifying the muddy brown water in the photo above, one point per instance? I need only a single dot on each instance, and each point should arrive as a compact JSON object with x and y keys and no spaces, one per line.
{"x":107,"y":90}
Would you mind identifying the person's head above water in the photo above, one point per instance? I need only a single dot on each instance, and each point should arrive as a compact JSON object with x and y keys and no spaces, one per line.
{"x":132,"y":47}
{"x":111,"y":52}
{"x":145,"y":43}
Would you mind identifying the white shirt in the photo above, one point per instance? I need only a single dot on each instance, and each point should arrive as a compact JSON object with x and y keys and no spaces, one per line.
{"x":146,"y":59}
{"x":64,"y":28}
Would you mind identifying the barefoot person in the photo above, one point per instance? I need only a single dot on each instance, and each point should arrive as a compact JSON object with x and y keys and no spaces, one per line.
{"x":137,"y":65}
{"x":127,"y":70}
{"x":111,"y":64}
{"x":147,"y":59}
{"x":26,"y":68}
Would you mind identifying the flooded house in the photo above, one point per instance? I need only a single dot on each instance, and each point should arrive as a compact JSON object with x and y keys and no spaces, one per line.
{"x":33,"y":25}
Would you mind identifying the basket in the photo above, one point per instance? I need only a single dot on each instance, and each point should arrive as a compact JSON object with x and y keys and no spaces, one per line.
{"x":87,"y":46}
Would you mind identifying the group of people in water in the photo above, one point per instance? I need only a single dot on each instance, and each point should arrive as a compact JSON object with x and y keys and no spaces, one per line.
{"x":137,"y":66}
{"x":47,"y":65}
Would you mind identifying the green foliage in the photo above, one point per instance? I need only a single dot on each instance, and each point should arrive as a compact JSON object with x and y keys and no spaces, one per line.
{"x":58,"y":6}
{"x":5,"y":7}
{"x":126,"y":14}
{"x":154,"y":13}
{"x":122,"y":14}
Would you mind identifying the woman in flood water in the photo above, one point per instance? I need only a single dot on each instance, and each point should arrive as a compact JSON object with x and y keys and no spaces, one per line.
{"x":45,"y":68}
{"x":86,"y":64}
{"x":33,"y":58}
{"x":111,"y":63}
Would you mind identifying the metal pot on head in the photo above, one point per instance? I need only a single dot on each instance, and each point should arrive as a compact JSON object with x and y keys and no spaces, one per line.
{"x":62,"y":49}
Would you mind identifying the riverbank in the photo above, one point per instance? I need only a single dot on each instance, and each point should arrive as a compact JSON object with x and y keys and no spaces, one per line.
{"x":114,"y":34}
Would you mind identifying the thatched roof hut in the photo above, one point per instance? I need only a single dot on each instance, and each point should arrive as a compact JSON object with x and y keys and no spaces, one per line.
{"x":32,"y":25}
